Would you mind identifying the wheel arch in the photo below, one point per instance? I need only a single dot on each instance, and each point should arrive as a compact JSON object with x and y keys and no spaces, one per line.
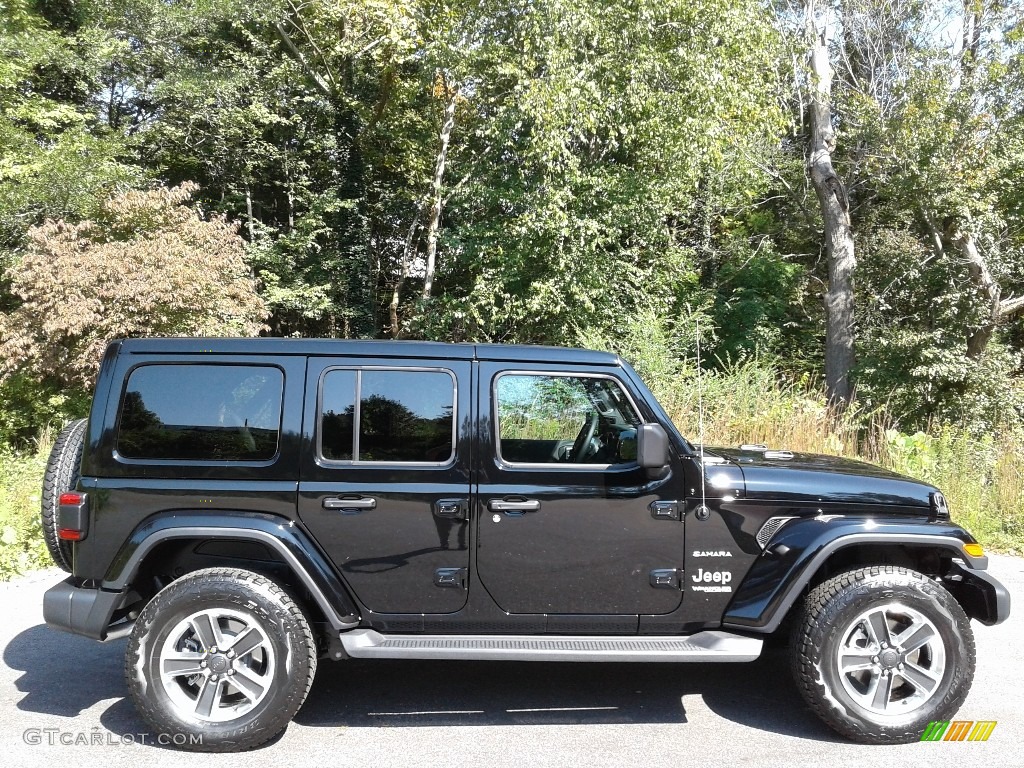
{"x":169,"y":546}
{"x":808,"y":551}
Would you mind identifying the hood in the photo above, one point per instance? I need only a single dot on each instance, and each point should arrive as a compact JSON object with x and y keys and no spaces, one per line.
{"x":808,"y":477}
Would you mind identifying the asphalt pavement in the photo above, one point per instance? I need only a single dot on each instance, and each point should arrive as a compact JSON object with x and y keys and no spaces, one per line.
{"x":64,"y":703}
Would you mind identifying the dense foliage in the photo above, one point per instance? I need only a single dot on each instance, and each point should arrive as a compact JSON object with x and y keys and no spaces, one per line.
{"x":606,"y":172}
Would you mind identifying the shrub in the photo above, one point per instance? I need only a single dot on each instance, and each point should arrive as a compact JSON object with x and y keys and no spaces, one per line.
{"x":148,"y":266}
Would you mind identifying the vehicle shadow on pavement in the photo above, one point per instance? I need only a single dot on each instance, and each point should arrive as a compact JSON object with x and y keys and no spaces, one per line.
{"x":64,"y":674}
{"x":361,"y":693}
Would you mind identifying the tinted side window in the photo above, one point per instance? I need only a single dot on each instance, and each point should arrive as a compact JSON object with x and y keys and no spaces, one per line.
{"x":338,"y":420}
{"x":201,"y":413}
{"x":388,"y":416}
{"x":552,"y":419}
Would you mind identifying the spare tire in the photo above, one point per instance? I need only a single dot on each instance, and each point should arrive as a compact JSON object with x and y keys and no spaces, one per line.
{"x":62,"y":473}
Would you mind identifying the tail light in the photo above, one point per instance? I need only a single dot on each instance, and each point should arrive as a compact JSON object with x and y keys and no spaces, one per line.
{"x":73,"y":516}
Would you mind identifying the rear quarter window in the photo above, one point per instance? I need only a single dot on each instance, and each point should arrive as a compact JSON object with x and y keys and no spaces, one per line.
{"x":182,"y":412}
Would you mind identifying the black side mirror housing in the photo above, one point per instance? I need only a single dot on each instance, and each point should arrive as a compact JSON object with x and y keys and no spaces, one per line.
{"x":652,"y":446}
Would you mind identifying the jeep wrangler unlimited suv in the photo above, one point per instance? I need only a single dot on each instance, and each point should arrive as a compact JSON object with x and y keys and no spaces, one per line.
{"x":240,"y":508}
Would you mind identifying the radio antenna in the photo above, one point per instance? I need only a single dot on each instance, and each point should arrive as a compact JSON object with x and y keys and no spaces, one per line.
{"x":700,"y":416}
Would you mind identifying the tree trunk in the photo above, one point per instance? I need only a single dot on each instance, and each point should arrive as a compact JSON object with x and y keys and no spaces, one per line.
{"x":248,"y":213}
{"x":291,"y":193}
{"x":835,"y":212}
{"x":396,"y":297}
{"x":436,"y":199}
{"x":981,"y":277}
{"x":971,"y":41}
{"x":403,"y":275}
{"x":292,"y":50}
{"x":997,"y":308}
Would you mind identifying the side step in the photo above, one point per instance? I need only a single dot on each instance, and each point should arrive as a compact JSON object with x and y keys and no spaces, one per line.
{"x":703,"y":646}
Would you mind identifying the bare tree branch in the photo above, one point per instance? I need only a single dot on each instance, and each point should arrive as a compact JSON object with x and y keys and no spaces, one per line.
{"x":319,"y":82}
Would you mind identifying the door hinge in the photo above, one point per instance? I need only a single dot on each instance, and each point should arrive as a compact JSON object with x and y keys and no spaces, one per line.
{"x":453,"y":578}
{"x":667,"y":578}
{"x":665,"y":510}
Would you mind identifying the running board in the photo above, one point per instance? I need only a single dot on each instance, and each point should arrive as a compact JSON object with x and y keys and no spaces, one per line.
{"x":703,"y":646}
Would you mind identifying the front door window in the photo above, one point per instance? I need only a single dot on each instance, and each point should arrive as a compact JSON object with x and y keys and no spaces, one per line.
{"x":552,"y":419}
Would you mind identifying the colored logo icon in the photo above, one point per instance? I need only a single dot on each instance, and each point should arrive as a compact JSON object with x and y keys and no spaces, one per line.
{"x":958,"y":730}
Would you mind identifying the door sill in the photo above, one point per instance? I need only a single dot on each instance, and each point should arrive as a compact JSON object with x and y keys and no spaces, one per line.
{"x":711,"y":645}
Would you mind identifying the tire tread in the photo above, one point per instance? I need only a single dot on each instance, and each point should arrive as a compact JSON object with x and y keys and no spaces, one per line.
{"x":62,"y":472}
{"x":193,"y":584}
{"x":818,"y":606}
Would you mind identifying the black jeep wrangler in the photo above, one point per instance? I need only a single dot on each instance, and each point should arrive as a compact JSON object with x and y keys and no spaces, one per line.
{"x":240,"y":508}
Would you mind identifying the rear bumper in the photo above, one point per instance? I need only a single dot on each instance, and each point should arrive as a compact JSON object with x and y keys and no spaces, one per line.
{"x":83,"y":610}
{"x":982,"y":596}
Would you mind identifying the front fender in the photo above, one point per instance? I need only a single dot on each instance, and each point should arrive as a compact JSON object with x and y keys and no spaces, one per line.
{"x":283,"y":536}
{"x":792,"y":557}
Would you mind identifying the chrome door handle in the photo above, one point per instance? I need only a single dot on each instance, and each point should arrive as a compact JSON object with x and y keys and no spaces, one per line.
{"x":336,"y":502}
{"x":513,"y":507}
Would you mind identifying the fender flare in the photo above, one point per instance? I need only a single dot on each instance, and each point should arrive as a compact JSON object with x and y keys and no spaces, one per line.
{"x":793,"y":556}
{"x":285,"y":537}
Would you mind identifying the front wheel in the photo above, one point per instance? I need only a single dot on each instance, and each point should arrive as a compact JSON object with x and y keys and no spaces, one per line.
{"x":880,"y":652}
{"x":220,"y":661}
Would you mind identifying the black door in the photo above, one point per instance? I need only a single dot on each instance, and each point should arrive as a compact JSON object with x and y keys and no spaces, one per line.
{"x":385,"y":487}
{"x":568,"y":522}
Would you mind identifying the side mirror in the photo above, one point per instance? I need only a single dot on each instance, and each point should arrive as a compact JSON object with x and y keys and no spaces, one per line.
{"x":651,"y":446}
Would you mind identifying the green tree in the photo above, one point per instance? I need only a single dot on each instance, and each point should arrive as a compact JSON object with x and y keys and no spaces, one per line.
{"x":605,"y":135}
{"x":464,"y":170}
{"x":56,"y":158}
{"x":934,"y":118}
{"x":923,"y":102}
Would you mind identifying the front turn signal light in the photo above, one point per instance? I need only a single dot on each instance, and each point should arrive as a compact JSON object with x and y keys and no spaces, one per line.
{"x":974,"y":550}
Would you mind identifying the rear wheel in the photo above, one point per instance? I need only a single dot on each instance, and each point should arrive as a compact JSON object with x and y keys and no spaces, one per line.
{"x":220,"y":661}
{"x":62,"y":472}
{"x":880,"y":652}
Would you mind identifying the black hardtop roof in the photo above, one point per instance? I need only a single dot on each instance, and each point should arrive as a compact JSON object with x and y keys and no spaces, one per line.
{"x":367,"y":348}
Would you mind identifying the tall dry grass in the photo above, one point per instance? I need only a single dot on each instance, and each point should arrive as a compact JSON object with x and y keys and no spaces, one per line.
{"x":981,"y":477}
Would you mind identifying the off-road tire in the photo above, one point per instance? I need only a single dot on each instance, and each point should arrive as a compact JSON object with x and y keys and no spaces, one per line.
{"x":62,"y":472}
{"x":271,"y":609}
{"x":821,"y":633}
